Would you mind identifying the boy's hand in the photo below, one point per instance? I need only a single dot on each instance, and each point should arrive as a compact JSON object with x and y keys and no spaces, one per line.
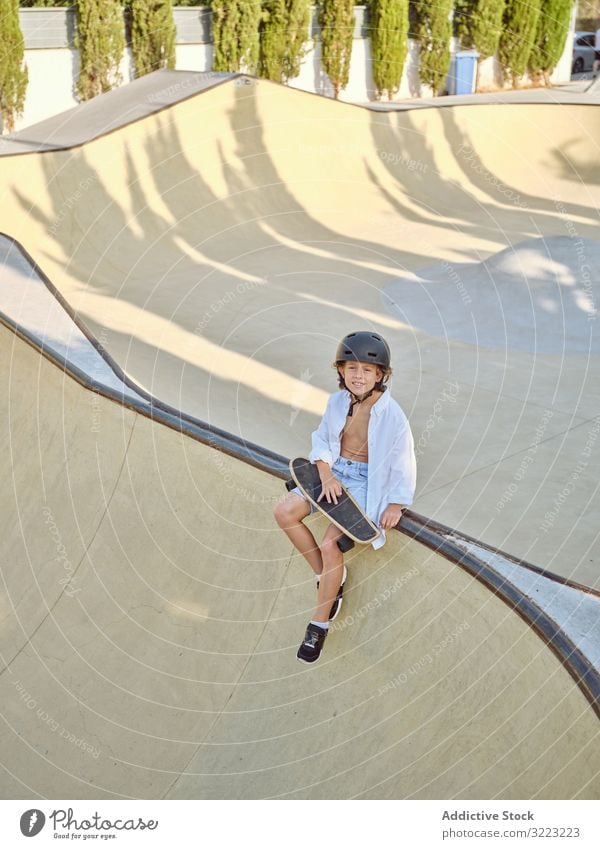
{"x":391,"y":516}
{"x":331,"y":490}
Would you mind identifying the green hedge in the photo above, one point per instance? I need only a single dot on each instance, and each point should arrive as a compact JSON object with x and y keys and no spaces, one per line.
{"x":13,"y":73}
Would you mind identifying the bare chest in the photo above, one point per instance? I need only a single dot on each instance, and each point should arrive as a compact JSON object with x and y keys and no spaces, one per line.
{"x":355,"y":434}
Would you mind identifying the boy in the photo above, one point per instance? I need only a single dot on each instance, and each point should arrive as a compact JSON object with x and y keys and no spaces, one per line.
{"x":364,"y":441}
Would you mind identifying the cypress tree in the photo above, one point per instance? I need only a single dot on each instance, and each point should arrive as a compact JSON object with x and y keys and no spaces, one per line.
{"x":389,"y":43}
{"x":235,"y":25}
{"x":152,"y":35}
{"x":519,"y":25}
{"x":478,"y":24}
{"x":433,"y":30}
{"x":101,"y":41}
{"x":336,"y":20}
{"x":284,"y":31}
{"x":550,"y":37}
{"x":13,"y":73}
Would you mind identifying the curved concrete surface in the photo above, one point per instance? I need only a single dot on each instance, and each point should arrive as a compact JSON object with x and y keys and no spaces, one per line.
{"x":150,"y":617}
{"x":92,"y":118}
{"x":220,"y":247}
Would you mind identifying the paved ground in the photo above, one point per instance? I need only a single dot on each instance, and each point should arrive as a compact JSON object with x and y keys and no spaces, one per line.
{"x":151,"y":612}
{"x":249,"y":227}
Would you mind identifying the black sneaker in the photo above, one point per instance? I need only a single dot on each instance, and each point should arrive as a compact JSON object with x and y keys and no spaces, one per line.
{"x":310,"y":648}
{"x":337,"y":603}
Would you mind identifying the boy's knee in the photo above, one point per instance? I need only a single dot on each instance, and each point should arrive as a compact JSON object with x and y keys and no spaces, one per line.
{"x":284,"y":512}
{"x":280,"y":510}
{"x":329,"y":544}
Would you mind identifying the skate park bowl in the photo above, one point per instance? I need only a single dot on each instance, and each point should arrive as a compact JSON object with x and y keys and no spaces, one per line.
{"x":178,"y":261}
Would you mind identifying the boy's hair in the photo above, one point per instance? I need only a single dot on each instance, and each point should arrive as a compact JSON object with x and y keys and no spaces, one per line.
{"x":387,"y":373}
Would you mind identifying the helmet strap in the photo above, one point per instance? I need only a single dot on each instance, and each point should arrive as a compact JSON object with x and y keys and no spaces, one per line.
{"x":357,"y":400}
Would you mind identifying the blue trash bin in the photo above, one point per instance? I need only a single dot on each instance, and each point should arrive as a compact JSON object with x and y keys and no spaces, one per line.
{"x":465,"y":69}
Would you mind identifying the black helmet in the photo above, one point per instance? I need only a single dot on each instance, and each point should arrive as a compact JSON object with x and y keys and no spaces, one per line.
{"x":365,"y":347}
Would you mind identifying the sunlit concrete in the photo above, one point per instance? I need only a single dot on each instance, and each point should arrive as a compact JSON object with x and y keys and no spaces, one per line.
{"x":220,"y":247}
{"x":150,"y":612}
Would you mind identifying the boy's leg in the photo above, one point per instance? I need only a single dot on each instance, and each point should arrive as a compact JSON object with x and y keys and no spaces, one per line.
{"x":289,"y":512}
{"x":329,"y":584}
{"x":331,"y":576}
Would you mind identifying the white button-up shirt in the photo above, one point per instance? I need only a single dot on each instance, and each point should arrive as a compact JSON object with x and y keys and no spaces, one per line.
{"x":392,"y":472}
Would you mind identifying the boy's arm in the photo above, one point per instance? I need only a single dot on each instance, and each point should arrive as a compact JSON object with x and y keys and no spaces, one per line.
{"x":404,"y":478}
{"x":324,"y":470}
{"x":322,"y":457}
{"x":391,"y":516}
{"x":321,"y":452}
{"x":403,"y":469}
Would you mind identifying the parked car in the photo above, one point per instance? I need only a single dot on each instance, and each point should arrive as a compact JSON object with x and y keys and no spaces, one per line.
{"x":584,"y":52}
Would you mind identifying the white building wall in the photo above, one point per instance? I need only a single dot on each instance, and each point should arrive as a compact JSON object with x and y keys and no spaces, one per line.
{"x":53,"y":75}
{"x":193,"y":57}
{"x":53,"y":71}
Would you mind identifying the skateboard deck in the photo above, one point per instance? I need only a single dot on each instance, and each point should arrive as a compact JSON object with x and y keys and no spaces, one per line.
{"x":346,"y":514}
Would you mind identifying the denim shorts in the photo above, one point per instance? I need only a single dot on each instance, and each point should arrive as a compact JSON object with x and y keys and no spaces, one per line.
{"x":352,"y":475}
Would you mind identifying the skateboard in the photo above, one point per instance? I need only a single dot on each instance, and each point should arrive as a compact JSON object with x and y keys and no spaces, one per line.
{"x":346,"y":514}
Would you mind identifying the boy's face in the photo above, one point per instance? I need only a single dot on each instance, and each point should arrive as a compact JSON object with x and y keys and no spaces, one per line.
{"x":360,"y":377}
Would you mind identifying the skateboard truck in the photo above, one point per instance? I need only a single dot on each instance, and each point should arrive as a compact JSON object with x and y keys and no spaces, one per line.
{"x":344,"y":543}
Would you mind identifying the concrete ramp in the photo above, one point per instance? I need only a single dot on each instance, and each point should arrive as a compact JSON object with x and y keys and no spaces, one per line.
{"x":219,"y":234}
{"x":151,"y":610}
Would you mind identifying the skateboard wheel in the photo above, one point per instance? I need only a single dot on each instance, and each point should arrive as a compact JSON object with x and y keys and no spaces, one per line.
{"x":290,"y":485}
{"x":344,"y":544}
